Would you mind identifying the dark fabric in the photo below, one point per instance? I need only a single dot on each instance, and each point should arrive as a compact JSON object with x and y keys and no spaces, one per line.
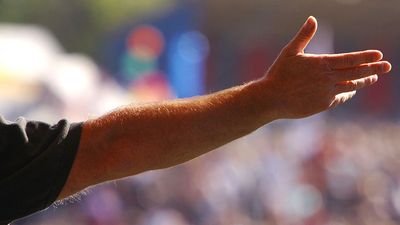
{"x":35,"y":160}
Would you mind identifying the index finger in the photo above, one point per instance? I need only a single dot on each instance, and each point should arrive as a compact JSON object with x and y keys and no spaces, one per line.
{"x":352,"y":59}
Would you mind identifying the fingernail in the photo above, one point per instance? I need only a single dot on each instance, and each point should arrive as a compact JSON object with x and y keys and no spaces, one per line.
{"x":308,"y":24}
{"x":380,"y":55}
{"x":385,"y":67}
{"x":374,"y":79}
{"x":389,"y":67}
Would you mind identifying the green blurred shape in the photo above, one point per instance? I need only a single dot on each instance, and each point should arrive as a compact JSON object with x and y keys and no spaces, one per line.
{"x":81,"y":25}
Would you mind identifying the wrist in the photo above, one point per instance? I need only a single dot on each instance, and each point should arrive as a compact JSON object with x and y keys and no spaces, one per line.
{"x":264,"y":100}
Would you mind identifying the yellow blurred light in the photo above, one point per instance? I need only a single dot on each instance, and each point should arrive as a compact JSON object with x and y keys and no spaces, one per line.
{"x":349,"y":2}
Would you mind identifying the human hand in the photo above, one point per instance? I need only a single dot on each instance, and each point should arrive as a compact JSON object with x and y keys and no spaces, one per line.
{"x":305,"y":84}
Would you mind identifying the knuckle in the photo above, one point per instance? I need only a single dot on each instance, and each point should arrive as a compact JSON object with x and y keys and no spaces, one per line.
{"x":377,"y":68}
{"x":349,"y":60}
{"x":323,"y":63}
{"x":369,"y":69}
{"x":357,"y":72}
{"x":303,"y":35}
{"x":350,"y":85}
{"x":370,"y":58}
{"x":333,"y":103}
{"x":343,"y":98}
{"x":349,"y":74}
{"x":286,"y":48}
{"x":345,"y":88}
{"x":329,"y":77}
{"x":353,"y":85}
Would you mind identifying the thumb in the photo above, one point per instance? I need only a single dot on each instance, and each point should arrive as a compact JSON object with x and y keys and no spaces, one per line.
{"x":303,"y":37}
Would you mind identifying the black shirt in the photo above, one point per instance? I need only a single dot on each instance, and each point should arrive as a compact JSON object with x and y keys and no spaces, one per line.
{"x":35,"y":160}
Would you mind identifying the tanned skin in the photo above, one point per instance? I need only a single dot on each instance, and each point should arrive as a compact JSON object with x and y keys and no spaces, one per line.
{"x":138,"y":138}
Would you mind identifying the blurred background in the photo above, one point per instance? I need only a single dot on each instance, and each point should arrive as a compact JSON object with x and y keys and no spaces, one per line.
{"x":79,"y":59}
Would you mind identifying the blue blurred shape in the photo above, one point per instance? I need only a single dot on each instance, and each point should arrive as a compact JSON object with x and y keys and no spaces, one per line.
{"x":187,"y":63}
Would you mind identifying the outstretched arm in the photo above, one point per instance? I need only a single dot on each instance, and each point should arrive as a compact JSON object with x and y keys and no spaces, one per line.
{"x":143,"y":137}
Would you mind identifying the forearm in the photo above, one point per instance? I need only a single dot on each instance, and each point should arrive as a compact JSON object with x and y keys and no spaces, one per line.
{"x":137,"y":138}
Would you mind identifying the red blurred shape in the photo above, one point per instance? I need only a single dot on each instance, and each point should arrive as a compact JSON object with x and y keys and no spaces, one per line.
{"x":146,"y":42}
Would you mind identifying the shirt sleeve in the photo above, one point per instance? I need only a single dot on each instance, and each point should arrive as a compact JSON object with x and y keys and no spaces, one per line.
{"x":35,"y":161}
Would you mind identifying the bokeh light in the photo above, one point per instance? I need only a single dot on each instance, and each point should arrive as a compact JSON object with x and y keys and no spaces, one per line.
{"x":193,"y":46}
{"x":146,"y":42}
